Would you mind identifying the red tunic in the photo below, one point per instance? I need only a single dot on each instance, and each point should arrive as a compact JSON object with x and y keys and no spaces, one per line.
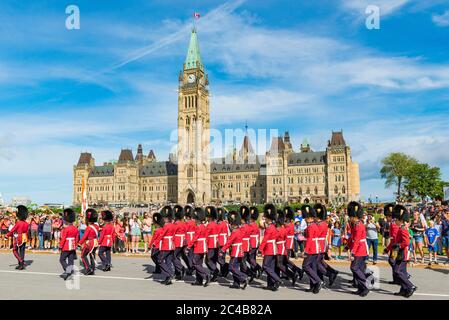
{"x":190,"y":229}
{"x":290,"y":230}
{"x":107,"y":235}
{"x":199,"y":241}
{"x":20,"y":233}
{"x":312,"y":234}
{"x":168,"y":237}
{"x":156,"y":240}
{"x":394,"y":228}
{"x":403,"y":239}
{"x":180,"y":234}
{"x":246,"y":231}
{"x":254,"y":235}
{"x":223,"y":233}
{"x":323,"y":227}
{"x":281,"y":240}
{"x":69,"y":238}
{"x":357,"y":241}
{"x":268,"y":246}
{"x":235,"y":243}
{"x":90,"y":237}
{"x":213,"y":230}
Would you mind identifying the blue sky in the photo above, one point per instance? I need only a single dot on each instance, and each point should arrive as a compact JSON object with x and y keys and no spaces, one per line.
{"x":307,"y":67}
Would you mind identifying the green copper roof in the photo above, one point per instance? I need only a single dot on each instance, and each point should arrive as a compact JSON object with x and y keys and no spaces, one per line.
{"x":305,"y":142}
{"x":193,"y":58}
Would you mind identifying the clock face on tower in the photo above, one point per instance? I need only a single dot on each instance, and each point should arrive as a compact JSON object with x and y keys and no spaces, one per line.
{"x":191,"y":78}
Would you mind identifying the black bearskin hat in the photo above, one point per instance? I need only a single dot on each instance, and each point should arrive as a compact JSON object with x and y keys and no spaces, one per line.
{"x":199,"y":214}
{"x":188,"y":211}
{"x":289,"y":213}
{"x":308,"y":212}
{"x":254,"y":213}
{"x":355,"y":209}
{"x":22,"y":213}
{"x":167,"y":212}
{"x":321,"y":212}
{"x":179,"y":212}
{"x":234,"y":218}
{"x":221,"y":214}
{"x":107,"y":215}
{"x":91,"y":215}
{"x":280,"y":219}
{"x":69,"y":215}
{"x":388,"y":209}
{"x":399,"y":210}
{"x":211,"y":212}
{"x":244,"y":213}
{"x":269,"y":211}
{"x":158,"y":219}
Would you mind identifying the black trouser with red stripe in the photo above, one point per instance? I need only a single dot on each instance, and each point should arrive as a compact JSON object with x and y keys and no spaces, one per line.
{"x":155,"y":252}
{"x":222,"y":261}
{"x":400,"y":270}
{"x":237,"y":274}
{"x":67,"y":260}
{"x":201,"y":272}
{"x":88,"y":257}
{"x":358,"y":268}
{"x":391,"y":262}
{"x":178,"y":254}
{"x":166,"y":263}
{"x":252,"y":254}
{"x":281,"y":266}
{"x":309,"y":265}
{"x":19,"y":252}
{"x":290,"y":264}
{"x":105,"y":255}
{"x":269,"y":263}
{"x":212,"y":260}
{"x":323,"y":268}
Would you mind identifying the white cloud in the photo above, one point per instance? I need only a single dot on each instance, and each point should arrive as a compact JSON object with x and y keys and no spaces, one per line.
{"x":441,"y":20}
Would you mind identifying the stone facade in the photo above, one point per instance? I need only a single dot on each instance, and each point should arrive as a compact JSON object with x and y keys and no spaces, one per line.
{"x":281,"y":175}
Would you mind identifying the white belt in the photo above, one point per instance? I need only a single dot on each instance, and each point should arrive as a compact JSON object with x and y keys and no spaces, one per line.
{"x":190,"y":233}
{"x":257,"y":239}
{"x":182,"y":238}
{"x":215,"y":236}
{"x":273,"y":242}
{"x":366,"y":245}
{"x":247,"y":241}
{"x":225,"y":236}
{"x":203,"y":240}
{"x":238,"y":245}
{"x":316,"y":243}
{"x":170,"y":242}
{"x":283,"y":246}
{"x":71,"y":243}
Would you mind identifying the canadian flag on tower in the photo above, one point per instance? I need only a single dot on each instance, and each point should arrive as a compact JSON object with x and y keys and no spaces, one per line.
{"x":196,"y":15}
{"x":83,"y":196}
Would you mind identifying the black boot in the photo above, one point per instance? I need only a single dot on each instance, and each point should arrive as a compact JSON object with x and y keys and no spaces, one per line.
{"x":332,"y":278}
{"x":317,"y":287}
{"x":207,"y":281}
{"x":235,"y":285}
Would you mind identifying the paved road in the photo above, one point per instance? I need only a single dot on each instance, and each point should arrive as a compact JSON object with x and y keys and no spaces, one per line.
{"x":131,"y":278}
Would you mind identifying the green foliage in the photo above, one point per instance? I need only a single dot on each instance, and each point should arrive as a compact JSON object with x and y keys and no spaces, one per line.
{"x":394,"y":168}
{"x":424,"y":181}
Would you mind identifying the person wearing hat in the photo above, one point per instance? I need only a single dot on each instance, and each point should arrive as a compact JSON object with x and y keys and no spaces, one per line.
{"x":391,"y":217}
{"x":167,"y":245}
{"x":212,"y":242}
{"x":290,"y":231}
{"x":156,"y":241}
{"x":323,"y":268}
{"x":246,"y":231}
{"x":403,"y":255}
{"x":199,"y":246}
{"x":223,"y":234}
{"x":281,"y":258}
{"x":310,"y":262}
{"x":268,"y":248}
{"x":180,"y":243}
{"x":254,"y":235}
{"x":89,"y":242}
{"x":68,"y":243}
{"x":107,"y":238}
{"x":190,"y":232}
{"x":359,"y":248}
{"x":234,"y":244}
{"x":20,"y":236}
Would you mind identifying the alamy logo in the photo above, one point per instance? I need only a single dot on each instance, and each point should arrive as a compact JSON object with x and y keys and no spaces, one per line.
{"x":72,"y":22}
{"x":373,"y":17}
{"x":73,"y":282}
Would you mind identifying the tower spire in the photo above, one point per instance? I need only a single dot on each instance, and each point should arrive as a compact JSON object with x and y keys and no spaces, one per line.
{"x":193,"y":59}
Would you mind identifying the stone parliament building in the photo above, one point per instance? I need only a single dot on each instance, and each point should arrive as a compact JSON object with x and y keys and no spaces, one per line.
{"x":281,"y":176}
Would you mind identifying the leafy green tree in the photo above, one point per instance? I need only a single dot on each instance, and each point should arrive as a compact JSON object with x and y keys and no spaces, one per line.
{"x":424,"y":181}
{"x":394,"y":169}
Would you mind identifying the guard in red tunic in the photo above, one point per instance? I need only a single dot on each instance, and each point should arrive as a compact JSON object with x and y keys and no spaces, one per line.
{"x":180,"y":243}
{"x":268,"y":248}
{"x":167,"y":245}
{"x":212,"y":242}
{"x":223,"y":235}
{"x":323,"y":268}
{"x":359,"y":248}
{"x":190,"y":232}
{"x":199,"y":246}
{"x":20,"y":236}
{"x":254,"y":238}
{"x":312,"y":249}
{"x":234,"y":244}
{"x":402,"y":253}
{"x":246,"y":231}
{"x":107,"y":238}
{"x":156,"y":241}
{"x":281,"y":242}
{"x":68,"y":243}
{"x":391,"y":217}
{"x":89,"y":242}
{"x":290,"y":230}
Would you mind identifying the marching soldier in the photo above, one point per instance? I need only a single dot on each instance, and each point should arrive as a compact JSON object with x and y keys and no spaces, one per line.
{"x":268,"y":248}
{"x":246,"y":232}
{"x":235,"y":243}
{"x":402,"y":253}
{"x":290,"y":230}
{"x":167,"y":245}
{"x":359,"y":248}
{"x":106,"y":241}
{"x":281,"y":258}
{"x":323,"y":268}
{"x":20,"y":236}
{"x":199,"y":244}
{"x":391,"y":217}
{"x":310,"y":262}
{"x":190,"y":232}
{"x":68,"y":243}
{"x":180,"y":243}
{"x":223,"y":234}
{"x":155,"y":243}
{"x":89,"y":242}
{"x":212,"y":242}
{"x":254,"y":241}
